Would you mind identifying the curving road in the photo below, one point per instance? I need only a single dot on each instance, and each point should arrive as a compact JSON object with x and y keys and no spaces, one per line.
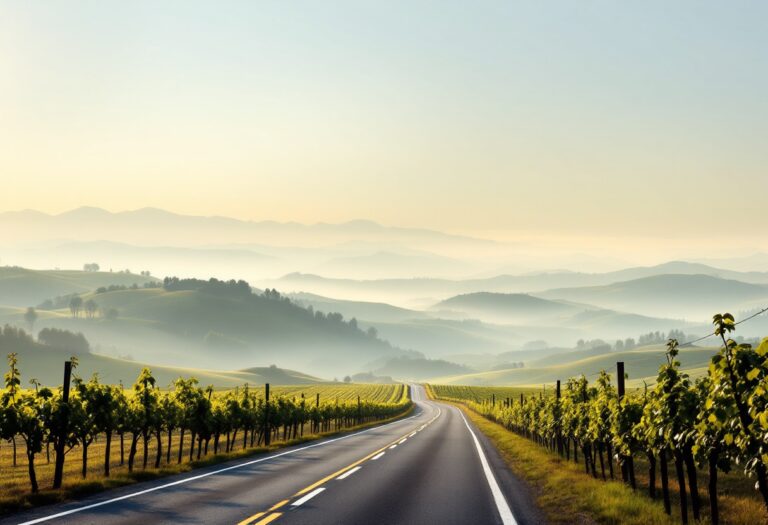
{"x":432,"y":467}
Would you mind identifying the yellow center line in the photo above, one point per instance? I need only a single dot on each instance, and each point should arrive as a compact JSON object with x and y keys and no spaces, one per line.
{"x":269,"y":519}
{"x":352,"y":465}
{"x":278,"y":505}
{"x":272,"y":517}
{"x":252,"y":518}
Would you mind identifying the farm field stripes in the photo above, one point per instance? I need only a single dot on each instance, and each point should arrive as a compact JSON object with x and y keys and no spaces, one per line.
{"x":480,"y":394}
{"x":378,"y":393}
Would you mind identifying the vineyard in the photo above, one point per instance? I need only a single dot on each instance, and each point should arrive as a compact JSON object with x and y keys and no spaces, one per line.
{"x":679,"y":430}
{"x":478,"y":394}
{"x":384,"y":393}
{"x":100,"y":431}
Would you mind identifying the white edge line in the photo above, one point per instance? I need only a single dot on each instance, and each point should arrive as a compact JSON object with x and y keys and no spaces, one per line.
{"x":377,"y":456}
{"x":200,"y":476}
{"x":307,"y":497}
{"x":349,"y":473}
{"x":501,"y":503}
{"x":390,"y":448}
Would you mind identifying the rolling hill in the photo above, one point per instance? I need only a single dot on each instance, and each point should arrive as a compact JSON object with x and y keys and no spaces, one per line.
{"x":506,"y":308}
{"x":221,"y":326}
{"x":22,"y":287}
{"x":424,"y":292}
{"x":47,"y":365}
{"x":677,"y":296}
{"x":361,"y":310}
{"x":641,"y":364}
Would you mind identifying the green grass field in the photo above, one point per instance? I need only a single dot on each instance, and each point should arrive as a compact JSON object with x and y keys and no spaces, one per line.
{"x":641,"y":364}
{"x":21,"y":287}
{"x":48,"y":366}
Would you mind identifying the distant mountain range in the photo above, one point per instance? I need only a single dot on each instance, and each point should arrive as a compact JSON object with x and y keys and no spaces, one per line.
{"x":152,"y":226}
{"x":424,"y":292}
{"x":678,"y":296}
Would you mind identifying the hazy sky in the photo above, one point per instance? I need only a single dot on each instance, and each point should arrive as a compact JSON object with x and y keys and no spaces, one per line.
{"x":596,"y":117}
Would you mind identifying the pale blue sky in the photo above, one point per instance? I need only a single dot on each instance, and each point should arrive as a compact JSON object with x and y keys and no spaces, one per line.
{"x":601,"y":117}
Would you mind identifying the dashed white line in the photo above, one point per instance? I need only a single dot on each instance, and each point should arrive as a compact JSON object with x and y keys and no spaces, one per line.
{"x":349,"y":473}
{"x":393,"y":446}
{"x":413,"y":434}
{"x":402,"y":441}
{"x":377,"y":456}
{"x":307,"y":497}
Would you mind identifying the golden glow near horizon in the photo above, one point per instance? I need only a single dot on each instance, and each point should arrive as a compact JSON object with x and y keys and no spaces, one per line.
{"x":577,"y":119}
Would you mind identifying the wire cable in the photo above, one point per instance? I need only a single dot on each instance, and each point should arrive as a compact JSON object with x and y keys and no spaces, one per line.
{"x":759,"y":312}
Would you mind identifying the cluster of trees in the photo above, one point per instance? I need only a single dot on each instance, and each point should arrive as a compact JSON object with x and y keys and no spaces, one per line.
{"x":659,"y":338}
{"x":118,"y":287}
{"x":64,"y":340}
{"x":91,"y":267}
{"x":212,"y":286}
{"x":58,"y":302}
{"x":16,"y":339}
{"x":13,"y":338}
{"x":77,"y":305}
{"x":592,"y":344}
{"x":91,"y":309}
{"x":213,"y":422}
{"x":715,"y":422}
{"x":651,"y":338}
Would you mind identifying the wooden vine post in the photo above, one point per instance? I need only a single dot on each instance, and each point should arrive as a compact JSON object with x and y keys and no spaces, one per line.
{"x":267,"y":430}
{"x":59,"y":468}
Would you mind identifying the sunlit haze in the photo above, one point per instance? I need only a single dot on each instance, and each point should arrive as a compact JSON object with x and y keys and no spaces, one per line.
{"x":602,"y":120}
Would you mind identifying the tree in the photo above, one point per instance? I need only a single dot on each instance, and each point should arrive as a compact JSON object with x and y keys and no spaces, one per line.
{"x":739,"y":374}
{"x":108,"y":401}
{"x":30,"y":317}
{"x":64,"y":340}
{"x":93,"y":412}
{"x":32,"y":415}
{"x":91,"y":308}
{"x":9,"y":424}
{"x":347,"y":379}
{"x":75,"y":305}
{"x":184,"y":396}
{"x":142,"y":407}
{"x":91,"y":267}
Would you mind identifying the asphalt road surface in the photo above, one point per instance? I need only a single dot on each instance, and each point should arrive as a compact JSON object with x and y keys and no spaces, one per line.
{"x":431,"y":468}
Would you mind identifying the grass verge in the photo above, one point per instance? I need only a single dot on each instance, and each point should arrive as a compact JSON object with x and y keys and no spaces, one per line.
{"x":564,"y":493}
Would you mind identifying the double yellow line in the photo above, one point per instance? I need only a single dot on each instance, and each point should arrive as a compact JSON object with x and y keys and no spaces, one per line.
{"x":272,"y":516}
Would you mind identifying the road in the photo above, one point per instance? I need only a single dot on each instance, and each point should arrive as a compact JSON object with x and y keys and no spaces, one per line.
{"x":432,"y":467}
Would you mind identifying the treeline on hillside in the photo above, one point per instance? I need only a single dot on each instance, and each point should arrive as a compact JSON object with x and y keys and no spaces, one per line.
{"x":212,"y":286}
{"x":146,"y":415}
{"x":242,"y":290}
{"x":14,"y":339}
{"x":650,"y":338}
{"x":717,"y":422}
